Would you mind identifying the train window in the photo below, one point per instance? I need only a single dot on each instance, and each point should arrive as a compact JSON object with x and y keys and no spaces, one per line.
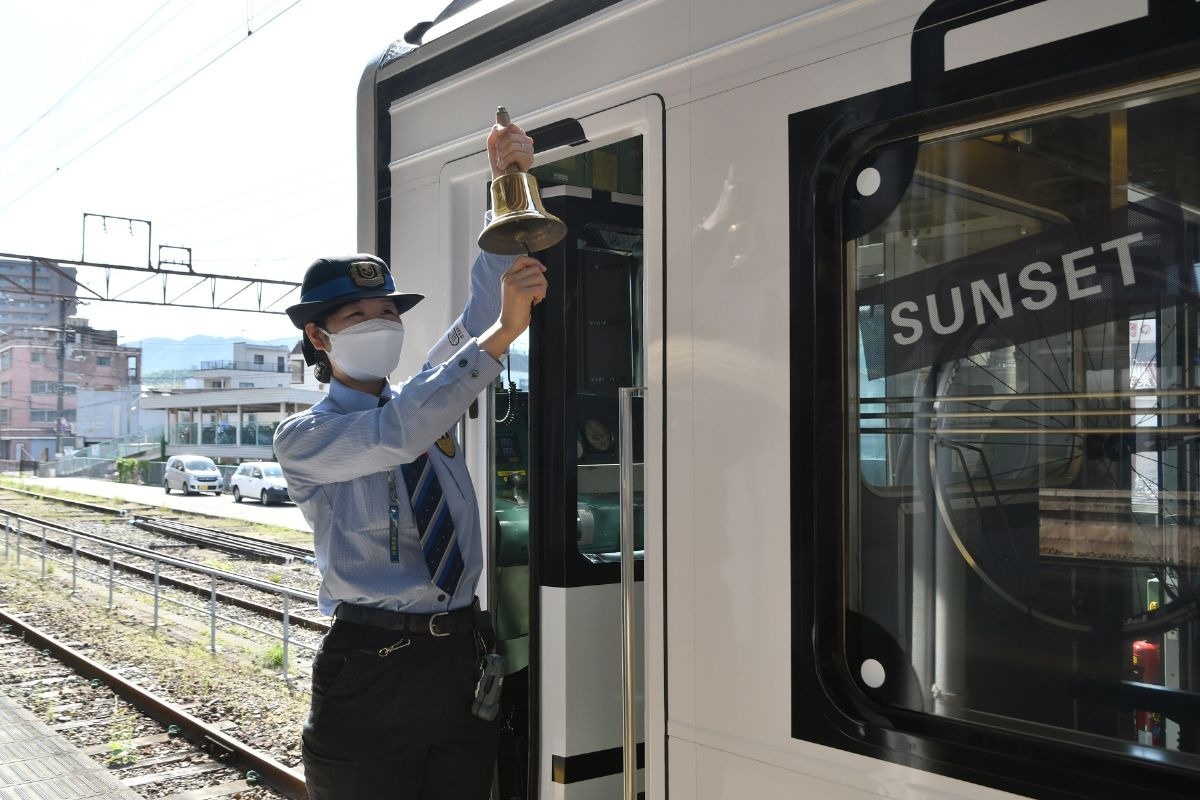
{"x":1027,"y":458}
{"x":597,"y":193}
{"x":579,"y":360}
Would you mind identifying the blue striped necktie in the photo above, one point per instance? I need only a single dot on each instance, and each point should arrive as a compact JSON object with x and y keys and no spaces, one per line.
{"x":435,"y":528}
{"x":439,"y":544}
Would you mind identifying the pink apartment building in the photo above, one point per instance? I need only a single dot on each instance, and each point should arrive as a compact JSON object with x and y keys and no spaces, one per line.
{"x":39,"y":398}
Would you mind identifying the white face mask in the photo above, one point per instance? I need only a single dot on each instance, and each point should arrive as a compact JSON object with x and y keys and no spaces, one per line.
{"x":369,"y":350}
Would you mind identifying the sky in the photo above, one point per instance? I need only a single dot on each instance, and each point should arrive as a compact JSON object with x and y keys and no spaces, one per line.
{"x":228,"y":125}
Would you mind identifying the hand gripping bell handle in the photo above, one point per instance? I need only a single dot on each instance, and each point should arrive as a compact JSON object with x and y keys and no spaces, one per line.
{"x":502,"y":119}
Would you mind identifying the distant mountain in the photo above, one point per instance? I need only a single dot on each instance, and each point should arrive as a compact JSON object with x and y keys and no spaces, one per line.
{"x":160,"y":353}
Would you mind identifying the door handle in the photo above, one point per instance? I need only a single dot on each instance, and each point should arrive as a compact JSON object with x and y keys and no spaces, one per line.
{"x":628,"y":694}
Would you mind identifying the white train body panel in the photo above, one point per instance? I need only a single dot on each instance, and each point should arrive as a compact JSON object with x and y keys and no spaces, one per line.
{"x":712,"y":88}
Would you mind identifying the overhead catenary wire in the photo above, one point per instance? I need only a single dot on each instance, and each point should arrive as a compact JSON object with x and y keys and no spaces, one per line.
{"x":263,"y":196}
{"x":85,"y":127}
{"x":104,"y":137}
{"x":249,"y":227}
{"x":89,"y":75}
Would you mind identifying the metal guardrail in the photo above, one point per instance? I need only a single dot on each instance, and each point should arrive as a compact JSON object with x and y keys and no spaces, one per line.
{"x":20,"y":466}
{"x":38,"y":546}
{"x":99,"y":460}
{"x":245,"y":366}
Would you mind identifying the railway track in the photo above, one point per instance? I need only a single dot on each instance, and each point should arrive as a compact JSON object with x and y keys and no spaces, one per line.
{"x":240,"y":591}
{"x":215,"y":538}
{"x":66,"y":501}
{"x":243,"y":735}
{"x":155,"y":747}
{"x":234,"y":543}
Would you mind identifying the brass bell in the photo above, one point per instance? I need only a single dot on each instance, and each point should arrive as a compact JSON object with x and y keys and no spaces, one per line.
{"x":520,"y":224}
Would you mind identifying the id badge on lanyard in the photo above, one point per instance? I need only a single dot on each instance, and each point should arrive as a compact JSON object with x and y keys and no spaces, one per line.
{"x":393,"y":518}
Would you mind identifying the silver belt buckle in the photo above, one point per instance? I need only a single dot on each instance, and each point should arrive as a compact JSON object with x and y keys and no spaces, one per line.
{"x":433,"y":627}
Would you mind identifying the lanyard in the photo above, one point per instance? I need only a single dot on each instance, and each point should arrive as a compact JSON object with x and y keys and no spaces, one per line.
{"x":393,"y":518}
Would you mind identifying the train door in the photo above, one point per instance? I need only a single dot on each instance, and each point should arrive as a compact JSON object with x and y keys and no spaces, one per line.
{"x":558,"y":428}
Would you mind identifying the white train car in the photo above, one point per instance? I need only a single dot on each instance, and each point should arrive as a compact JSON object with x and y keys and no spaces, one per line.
{"x":906,"y":292}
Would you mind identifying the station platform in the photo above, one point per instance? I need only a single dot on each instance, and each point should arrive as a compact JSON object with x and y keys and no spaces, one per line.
{"x":36,"y":762}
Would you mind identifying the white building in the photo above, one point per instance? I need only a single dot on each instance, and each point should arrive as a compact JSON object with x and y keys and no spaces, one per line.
{"x":233,"y":416}
{"x":105,"y":414}
{"x":253,"y":366}
{"x":228,"y":425}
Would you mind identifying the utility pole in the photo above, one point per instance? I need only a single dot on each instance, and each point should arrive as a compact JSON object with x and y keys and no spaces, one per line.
{"x":62,"y":374}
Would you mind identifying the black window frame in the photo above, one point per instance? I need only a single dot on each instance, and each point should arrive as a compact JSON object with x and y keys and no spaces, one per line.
{"x":829,"y":706}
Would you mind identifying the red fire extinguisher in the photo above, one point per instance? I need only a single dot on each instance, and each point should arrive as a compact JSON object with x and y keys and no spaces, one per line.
{"x":1148,"y":668}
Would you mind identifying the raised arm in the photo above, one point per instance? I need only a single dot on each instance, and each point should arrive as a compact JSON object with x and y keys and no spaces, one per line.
{"x":484,"y":315}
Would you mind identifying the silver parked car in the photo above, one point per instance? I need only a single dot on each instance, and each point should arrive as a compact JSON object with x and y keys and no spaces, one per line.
{"x":191,"y":474}
{"x":261,"y":479}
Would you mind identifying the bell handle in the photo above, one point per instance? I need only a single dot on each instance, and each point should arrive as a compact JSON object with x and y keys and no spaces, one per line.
{"x":502,"y":119}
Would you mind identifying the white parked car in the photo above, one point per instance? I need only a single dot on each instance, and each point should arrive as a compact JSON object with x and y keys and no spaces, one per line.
{"x":191,"y":474}
{"x":261,"y":479}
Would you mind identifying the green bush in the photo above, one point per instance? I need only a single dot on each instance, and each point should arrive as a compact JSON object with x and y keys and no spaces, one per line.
{"x":128,"y":470}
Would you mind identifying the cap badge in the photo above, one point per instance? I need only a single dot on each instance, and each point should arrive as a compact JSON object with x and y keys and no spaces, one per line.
{"x":366,"y":274}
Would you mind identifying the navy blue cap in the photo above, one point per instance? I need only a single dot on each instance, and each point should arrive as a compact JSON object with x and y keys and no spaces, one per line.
{"x":331,"y":282}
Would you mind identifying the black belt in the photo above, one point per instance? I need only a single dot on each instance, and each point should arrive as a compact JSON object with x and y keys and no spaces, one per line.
{"x":443,"y":623}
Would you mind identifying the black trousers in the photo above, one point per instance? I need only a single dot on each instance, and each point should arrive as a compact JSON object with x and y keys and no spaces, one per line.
{"x":396,"y":724}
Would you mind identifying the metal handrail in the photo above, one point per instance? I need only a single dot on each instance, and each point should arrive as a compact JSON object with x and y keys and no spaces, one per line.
{"x":628,"y":693}
{"x":242,"y":366}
